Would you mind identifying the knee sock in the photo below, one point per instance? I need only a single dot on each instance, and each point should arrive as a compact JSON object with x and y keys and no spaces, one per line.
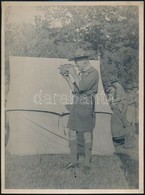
{"x":88,"y":152}
{"x":73,"y":151}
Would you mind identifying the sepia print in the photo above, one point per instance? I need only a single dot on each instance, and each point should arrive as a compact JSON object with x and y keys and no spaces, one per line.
{"x":72,"y":97}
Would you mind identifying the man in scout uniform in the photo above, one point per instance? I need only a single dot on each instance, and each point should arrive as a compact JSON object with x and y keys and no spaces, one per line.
{"x":132,"y":106}
{"x":110,"y":94}
{"x":120,"y":99}
{"x":119,"y":109}
{"x":82,"y":117}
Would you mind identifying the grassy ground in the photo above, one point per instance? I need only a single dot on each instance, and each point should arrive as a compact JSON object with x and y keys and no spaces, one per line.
{"x":130,"y":168}
{"x":119,"y":171}
{"x":47,"y":172}
{"x":130,"y":163}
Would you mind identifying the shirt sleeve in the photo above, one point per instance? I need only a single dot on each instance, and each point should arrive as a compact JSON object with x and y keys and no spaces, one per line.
{"x":120,"y":94}
{"x":76,"y":89}
{"x":72,"y":79}
{"x":87,"y":81}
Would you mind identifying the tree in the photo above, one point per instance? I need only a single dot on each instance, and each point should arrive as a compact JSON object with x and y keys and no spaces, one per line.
{"x":60,"y":30}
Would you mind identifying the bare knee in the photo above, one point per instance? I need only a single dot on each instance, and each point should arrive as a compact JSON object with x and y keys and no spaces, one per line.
{"x":72,"y":135}
{"x":88,"y":137}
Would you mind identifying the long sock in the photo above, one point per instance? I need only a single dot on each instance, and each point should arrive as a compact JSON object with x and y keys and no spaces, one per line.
{"x":88,"y":151}
{"x":73,"y":151}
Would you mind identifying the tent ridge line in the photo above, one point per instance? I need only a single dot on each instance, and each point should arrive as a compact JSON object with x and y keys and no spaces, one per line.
{"x":34,"y":110}
{"x":10,"y":110}
{"x":103,"y":112}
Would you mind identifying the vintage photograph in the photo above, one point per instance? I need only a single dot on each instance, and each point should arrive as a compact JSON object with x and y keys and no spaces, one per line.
{"x":72,"y":97}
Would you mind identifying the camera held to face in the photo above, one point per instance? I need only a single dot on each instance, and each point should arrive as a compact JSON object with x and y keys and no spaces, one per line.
{"x":64,"y":69}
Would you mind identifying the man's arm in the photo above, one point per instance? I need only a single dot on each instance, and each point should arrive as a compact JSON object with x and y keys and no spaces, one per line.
{"x":88,"y":81}
{"x":73,"y":73}
{"x":85,"y":83}
{"x":119,"y":91}
{"x":131,"y":100}
{"x":67,"y":78}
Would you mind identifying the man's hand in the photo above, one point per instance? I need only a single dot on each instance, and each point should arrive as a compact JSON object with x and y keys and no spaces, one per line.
{"x":72,"y":71}
{"x":65,"y":76}
{"x":68,"y":80}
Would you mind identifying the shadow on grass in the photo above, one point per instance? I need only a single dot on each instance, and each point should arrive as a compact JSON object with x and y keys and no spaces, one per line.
{"x":131,"y":170}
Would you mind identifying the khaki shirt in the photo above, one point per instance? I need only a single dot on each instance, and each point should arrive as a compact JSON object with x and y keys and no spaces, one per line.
{"x":82,"y":113}
{"x":119,"y":93}
{"x":88,"y":84}
{"x":120,"y":98}
{"x":132,"y":98}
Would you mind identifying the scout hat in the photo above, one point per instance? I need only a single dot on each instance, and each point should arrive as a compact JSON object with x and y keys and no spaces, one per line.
{"x":79,"y":54}
{"x":114,"y":79}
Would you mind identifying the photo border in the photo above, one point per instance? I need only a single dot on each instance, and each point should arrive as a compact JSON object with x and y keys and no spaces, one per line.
{"x":140,"y":5}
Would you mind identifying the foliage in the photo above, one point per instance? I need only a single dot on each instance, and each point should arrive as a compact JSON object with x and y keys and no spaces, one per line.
{"x":59,"y":31}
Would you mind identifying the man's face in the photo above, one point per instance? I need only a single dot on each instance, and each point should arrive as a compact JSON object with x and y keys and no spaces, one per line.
{"x":114,"y":84}
{"x":135,"y":90}
{"x":80,"y":64}
{"x":129,"y":91}
{"x":110,"y":88}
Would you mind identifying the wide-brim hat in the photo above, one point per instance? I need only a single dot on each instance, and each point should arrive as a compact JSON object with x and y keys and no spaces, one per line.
{"x":79,"y":54}
{"x":108,"y":84}
{"x":113,"y":80}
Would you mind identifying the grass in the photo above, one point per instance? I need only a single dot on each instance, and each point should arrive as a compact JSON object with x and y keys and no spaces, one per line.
{"x":130,"y":163}
{"x":119,"y":171}
{"x":47,"y":172}
{"x":130,"y":168}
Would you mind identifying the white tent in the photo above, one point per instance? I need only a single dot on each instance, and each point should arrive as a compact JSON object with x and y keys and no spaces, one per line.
{"x":37,"y":109}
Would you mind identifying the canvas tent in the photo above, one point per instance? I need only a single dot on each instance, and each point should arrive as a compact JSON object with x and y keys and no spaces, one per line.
{"x":38,"y":109}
